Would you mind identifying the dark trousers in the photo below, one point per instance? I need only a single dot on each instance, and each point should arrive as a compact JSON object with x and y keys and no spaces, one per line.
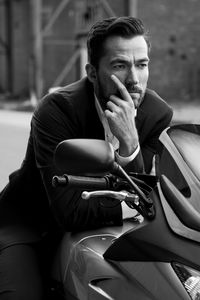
{"x":25,"y":271}
{"x":24,"y":267}
{"x":21,"y":275}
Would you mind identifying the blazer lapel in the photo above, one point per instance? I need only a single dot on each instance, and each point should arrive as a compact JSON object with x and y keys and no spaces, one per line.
{"x":140,"y":119}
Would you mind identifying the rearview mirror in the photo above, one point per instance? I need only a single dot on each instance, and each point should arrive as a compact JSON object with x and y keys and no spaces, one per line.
{"x":81,"y":156}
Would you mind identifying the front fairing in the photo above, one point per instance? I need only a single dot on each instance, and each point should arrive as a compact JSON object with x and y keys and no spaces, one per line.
{"x":134,"y":259}
{"x":90,"y":276}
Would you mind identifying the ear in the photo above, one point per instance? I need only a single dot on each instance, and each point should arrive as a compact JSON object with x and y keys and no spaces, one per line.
{"x":91,"y":72}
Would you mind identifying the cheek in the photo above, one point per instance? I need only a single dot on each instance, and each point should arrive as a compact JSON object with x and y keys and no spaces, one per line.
{"x":106,"y":83}
{"x":147,"y":75}
{"x":121,"y":75}
{"x":144,"y":78}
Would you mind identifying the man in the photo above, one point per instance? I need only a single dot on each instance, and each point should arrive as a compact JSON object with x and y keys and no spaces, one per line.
{"x":111,"y":103}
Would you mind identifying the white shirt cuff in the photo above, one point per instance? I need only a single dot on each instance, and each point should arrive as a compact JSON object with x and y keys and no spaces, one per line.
{"x":127,"y":212}
{"x":123,"y":161}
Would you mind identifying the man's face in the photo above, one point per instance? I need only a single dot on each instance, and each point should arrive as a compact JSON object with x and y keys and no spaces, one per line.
{"x":128,"y":60}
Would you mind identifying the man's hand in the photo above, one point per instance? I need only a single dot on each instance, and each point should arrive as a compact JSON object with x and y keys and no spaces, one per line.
{"x":121,"y":118}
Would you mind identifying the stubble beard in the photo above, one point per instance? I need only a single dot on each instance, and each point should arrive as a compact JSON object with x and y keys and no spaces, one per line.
{"x":103,"y":99}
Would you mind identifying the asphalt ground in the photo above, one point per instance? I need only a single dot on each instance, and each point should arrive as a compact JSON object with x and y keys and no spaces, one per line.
{"x":187,"y":113}
{"x":14,"y":132}
{"x":15,"y":126}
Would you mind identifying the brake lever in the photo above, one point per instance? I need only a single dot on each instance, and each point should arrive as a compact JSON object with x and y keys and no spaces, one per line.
{"x":119,"y":195}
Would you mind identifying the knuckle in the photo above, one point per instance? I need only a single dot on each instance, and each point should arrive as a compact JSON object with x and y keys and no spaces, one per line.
{"x":122,"y":88}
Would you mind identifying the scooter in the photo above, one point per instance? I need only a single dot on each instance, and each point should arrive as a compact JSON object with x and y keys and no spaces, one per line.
{"x":154,"y":255}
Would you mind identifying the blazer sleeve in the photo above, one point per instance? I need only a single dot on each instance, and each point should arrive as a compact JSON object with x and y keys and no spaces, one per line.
{"x":53,"y":122}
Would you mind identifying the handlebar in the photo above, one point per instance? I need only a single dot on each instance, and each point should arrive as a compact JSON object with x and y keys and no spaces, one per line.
{"x":135,"y":197}
{"x":82,"y":182}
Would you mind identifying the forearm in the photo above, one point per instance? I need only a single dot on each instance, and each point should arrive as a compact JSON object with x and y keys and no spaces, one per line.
{"x":73,"y":213}
{"x":89,"y":214}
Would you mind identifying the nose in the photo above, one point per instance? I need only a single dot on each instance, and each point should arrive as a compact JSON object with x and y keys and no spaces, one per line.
{"x":132,"y":76}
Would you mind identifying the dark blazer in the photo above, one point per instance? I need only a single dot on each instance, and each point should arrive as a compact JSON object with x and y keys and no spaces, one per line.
{"x":29,"y":205}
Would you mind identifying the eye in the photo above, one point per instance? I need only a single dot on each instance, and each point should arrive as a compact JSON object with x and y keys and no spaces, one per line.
{"x":142,"y":65}
{"x":119,"y":67}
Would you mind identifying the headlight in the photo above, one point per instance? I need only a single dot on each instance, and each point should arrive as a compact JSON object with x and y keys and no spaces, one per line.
{"x":190,"y":279}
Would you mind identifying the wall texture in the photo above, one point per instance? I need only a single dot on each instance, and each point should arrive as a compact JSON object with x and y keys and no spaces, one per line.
{"x":174,"y":29}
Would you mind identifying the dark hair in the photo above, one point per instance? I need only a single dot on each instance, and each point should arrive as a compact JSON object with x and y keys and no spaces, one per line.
{"x":125,"y":27}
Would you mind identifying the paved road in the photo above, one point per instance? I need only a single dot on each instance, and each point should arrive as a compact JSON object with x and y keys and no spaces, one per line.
{"x":14,"y":131}
{"x":188,"y":113}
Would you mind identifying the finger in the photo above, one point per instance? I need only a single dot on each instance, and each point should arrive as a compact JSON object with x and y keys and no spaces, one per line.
{"x":112,"y":106}
{"x":109,"y":114}
{"x":119,"y":102}
{"x":122,"y":89}
{"x":116,"y":100}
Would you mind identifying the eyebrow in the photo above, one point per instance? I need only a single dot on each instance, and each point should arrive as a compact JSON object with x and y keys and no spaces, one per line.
{"x":143,"y":59}
{"x":124,"y":60}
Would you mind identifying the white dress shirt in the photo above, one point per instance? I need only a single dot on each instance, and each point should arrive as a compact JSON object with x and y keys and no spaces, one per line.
{"x":127,"y":212}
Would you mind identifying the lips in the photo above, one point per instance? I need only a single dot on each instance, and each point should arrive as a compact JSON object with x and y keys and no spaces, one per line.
{"x":133,"y":94}
{"x":136,"y":97}
{"x":135,"y":91}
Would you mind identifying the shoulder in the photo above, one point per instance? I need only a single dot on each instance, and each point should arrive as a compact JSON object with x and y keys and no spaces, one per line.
{"x":69,"y":105}
{"x":72,"y":92}
{"x":76,"y":89}
{"x":67,"y":99}
{"x":154,"y":104}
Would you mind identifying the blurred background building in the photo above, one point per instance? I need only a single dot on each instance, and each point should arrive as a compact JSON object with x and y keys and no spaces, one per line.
{"x":42,"y":44}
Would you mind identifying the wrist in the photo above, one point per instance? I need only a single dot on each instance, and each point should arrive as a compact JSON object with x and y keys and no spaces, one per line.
{"x":128,"y":148}
{"x":123,"y":161}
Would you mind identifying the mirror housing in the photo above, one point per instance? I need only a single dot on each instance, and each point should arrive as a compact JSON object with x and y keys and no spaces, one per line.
{"x":84,"y":156}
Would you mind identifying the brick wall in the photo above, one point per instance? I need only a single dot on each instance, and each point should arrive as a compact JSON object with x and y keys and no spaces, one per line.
{"x":174,"y":30}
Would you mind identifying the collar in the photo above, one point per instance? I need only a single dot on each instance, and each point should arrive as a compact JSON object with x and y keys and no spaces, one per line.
{"x":99,"y":109}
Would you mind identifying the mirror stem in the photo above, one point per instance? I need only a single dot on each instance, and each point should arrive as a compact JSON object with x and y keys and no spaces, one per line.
{"x":148,"y":203}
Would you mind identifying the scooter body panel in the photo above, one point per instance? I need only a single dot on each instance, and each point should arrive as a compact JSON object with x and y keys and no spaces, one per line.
{"x":128,"y":262}
{"x":136,"y":260}
{"x":90,"y":276}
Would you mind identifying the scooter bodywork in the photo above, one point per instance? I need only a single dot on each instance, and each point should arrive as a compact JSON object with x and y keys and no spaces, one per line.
{"x":148,"y":257}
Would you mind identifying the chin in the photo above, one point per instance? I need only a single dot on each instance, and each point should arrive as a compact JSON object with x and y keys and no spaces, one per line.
{"x":141,"y":98}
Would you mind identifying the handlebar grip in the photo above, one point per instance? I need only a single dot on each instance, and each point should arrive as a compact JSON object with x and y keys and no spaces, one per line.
{"x":81,"y":182}
{"x":59,"y":181}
